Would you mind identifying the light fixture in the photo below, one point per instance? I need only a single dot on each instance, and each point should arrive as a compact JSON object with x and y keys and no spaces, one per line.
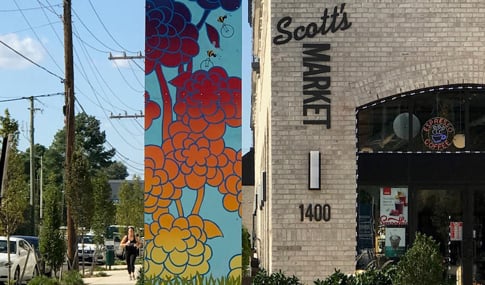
{"x":459,"y":140}
{"x":314,"y":170}
{"x":401,"y":126}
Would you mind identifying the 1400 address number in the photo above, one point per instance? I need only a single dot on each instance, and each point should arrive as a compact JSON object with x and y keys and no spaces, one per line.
{"x":317,"y":212}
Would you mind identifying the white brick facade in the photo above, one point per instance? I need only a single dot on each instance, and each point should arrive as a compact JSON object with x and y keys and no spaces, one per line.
{"x":392,"y":46}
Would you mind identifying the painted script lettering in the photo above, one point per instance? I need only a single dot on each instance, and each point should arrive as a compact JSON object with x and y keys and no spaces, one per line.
{"x":329,"y":23}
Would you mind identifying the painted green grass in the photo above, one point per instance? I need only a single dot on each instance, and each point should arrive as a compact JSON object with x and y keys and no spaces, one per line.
{"x":197,"y":280}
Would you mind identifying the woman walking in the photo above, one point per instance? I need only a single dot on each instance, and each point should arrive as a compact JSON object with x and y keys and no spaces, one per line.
{"x":131,"y":243}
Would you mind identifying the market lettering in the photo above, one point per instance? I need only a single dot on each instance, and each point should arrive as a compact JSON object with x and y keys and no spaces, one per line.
{"x":338,"y":21}
{"x":316,"y":84}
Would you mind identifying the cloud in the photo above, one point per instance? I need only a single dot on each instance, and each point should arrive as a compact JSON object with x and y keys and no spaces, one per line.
{"x":28,"y":47}
{"x":121,"y":63}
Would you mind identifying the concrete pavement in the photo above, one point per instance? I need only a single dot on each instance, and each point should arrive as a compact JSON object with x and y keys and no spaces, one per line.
{"x":118,"y":275}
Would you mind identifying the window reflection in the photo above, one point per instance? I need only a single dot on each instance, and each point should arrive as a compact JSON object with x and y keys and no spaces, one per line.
{"x":382,"y":227}
{"x":449,"y":118}
{"x":437,"y":211}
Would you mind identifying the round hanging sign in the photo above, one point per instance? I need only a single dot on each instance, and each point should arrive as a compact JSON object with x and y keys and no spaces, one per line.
{"x":437,"y":133}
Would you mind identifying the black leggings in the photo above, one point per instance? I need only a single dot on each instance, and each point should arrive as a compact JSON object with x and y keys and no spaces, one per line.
{"x":130,"y":261}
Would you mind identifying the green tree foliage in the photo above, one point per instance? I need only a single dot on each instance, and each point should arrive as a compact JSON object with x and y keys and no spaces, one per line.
{"x":116,"y":170}
{"x":246,"y":250}
{"x":90,"y":140}
{"x":104,"y":209}
{"x":90,"y":145}
{"x":421,"y":264}
{"x":51,"y":241}
{"x":129,"y":211}
{"x":79,"y":193}
{"x":15,"y":195}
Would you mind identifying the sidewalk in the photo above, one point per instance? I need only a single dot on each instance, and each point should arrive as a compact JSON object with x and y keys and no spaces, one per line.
{"x":118,"y":275}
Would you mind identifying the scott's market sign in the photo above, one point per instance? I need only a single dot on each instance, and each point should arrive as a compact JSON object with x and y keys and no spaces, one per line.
{"x":316,"y":61}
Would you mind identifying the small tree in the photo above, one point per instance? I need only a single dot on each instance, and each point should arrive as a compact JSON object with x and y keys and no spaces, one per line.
{"x":129,"y":211}
{"x":421,"y":264}
{"x":51,"y":242}
{"x":79,"y":195}
{"x":104,"y":209}
{"x":246,"y":250}
{"x":15,"y":194}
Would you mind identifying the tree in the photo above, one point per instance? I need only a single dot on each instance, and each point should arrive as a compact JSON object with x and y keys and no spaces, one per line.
{"x":246,"y":250}
{"x":15,"y":199}
{"x":79,"y":193}
{"x":15,"y":194}
{"x":32,"y":215}
{"x":90,"y":140}
{"x":51,"y":242}
{"x":117,"y":170}
{"x":129,"y":211}
{"x":104,"y":209}
{"x":422,"y":263}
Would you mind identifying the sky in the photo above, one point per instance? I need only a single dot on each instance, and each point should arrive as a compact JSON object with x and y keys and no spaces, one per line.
{"x":32,"y":65}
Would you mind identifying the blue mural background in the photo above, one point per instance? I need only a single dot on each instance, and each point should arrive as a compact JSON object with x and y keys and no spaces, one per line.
{"x":193,"y":139}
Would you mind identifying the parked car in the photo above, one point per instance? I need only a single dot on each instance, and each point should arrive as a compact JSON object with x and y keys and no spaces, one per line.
{"x":41,"y":262}
{"x":22,"y":259}
{"x":87,"y":250}
{"x":119,"y":252}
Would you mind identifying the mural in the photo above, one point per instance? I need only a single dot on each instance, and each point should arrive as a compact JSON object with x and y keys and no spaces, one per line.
{"x":193,"y":139}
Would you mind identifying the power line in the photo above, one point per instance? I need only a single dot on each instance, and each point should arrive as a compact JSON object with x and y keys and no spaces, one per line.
{"x":141,"y":68}
{"x":107,"y":31}
{"x":36,"y":27}
{"x":36,"y":35}
{"x":89,"y":45}
{"x":135,"y":75}
{"x":126,"y":81}
{"x":50,"y":8}
{"x":98,"y":75}
{"x":51,"y":24}
{"x":91,"y":33}
{"x":26,"y":9}
{"x":31,"y":61}
{"x":36,"y":96}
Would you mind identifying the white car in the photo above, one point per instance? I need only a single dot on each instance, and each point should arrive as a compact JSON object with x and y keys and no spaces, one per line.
{"x":22,"y":260}
{"x":87,"y":251}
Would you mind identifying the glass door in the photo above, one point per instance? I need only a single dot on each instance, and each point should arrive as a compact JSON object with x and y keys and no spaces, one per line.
{"x":479,"y":237}
{"x":440,"y":215}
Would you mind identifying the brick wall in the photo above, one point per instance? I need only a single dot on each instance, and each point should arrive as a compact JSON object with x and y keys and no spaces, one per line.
{"x":391,"y":47}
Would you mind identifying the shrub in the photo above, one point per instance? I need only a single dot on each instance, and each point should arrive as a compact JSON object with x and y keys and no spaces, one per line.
{"x":277,"y":278}
{"x":43,"y":280}
{"x":337,"y":278}
{"x":421,"y":264}
{"x":383,"y":276}
{"x":72,"y":277}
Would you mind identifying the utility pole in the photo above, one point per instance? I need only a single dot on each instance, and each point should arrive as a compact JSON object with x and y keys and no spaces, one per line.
{"x":124,"y":56}
{"x":69,"y":121}
{"x":126,"y":116}
{"x":33,"y":194}
{"x":31,"y":201}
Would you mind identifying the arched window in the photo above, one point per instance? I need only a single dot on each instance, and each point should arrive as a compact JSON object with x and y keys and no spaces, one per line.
{"x":447,"y":118}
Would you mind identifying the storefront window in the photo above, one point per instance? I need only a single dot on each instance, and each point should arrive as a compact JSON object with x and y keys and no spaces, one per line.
{"x":424,"y":151}
{"x":382,"y":224}
{"x":438,"y":119}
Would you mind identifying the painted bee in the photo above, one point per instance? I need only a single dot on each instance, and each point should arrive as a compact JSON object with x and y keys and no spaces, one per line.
{"x":211,"y":53}
{"x":221,"y":19}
